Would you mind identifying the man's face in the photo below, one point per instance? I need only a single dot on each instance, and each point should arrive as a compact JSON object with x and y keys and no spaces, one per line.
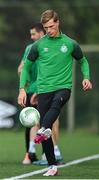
{"x":52,"y":28}
{"x":35,"y":35}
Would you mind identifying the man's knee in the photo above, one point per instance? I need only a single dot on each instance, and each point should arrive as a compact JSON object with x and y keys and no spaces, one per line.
{"x":60,"y":99}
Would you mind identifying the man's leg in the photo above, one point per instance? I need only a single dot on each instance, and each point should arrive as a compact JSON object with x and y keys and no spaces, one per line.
{"x":59,"y":99}
{"x":55,"y":135}
{"x":55,"y":131}
{"x":27,"y":138}
{"x":32,"y":149}
{"x":44,"y":102}
{"x":50,"y":105}
{"x":30,"y":155}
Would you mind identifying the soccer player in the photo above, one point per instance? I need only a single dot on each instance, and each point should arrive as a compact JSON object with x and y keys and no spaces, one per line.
{"x":54,"y":54}
{"x":36,"y":33}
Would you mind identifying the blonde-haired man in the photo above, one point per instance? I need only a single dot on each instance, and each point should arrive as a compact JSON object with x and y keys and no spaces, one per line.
{"x":36,"y":32}
{"x":55,"y":54}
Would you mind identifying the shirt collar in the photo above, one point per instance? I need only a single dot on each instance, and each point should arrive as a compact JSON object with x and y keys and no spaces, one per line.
{"x":57,"y":37}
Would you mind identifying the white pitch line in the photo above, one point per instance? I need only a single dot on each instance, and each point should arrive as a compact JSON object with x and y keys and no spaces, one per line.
{"x":88,"y":158}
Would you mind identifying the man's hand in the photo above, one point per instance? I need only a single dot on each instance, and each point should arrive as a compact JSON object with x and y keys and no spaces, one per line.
{"x":22,"y":98}
{"x":34,"y":99}
{"x":87,"y":85}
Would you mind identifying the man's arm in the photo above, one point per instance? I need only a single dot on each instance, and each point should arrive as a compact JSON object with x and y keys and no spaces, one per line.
{"x":32,"y":56}
{"x":22,"y":97}
{"x":78,"y":55}
{"x":23,"y":81}
{"x":25,"y":73}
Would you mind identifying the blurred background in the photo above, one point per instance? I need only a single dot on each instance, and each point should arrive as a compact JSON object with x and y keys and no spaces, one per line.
{"x":80,"y":20}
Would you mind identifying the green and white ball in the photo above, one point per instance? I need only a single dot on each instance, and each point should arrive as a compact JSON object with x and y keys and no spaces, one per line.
{"x":29,"y":117}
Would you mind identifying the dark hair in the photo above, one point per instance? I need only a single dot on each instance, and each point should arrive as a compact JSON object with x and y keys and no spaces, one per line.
{"x":39,"y":27}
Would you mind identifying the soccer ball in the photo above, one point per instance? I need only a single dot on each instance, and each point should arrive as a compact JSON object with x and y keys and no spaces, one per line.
{"x":29,"y":117}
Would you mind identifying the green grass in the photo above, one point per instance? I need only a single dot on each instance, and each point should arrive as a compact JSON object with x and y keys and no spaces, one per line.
{"x":73,"y":146}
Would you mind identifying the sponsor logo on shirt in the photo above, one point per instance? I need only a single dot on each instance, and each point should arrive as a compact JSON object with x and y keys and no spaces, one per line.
{"x":63,"y":48}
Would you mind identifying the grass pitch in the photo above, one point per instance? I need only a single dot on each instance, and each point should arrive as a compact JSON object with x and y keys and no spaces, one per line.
{"x":73,"y":146}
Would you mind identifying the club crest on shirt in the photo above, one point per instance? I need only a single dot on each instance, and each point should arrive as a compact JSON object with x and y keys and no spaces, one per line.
{"x":45,"y":49}
{"x":64,"y":48}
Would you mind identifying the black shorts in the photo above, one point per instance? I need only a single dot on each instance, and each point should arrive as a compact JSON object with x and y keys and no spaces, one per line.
{"x":28,"y":100}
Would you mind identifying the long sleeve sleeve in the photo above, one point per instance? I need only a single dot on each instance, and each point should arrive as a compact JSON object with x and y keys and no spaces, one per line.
{"x":78,"y":55}
{"x":84,"y":68}
{"x":25,"y":73}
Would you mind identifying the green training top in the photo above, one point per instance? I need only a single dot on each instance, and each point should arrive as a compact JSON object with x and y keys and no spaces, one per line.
{"x":32,"y":76}
{"x":55,"y":56}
